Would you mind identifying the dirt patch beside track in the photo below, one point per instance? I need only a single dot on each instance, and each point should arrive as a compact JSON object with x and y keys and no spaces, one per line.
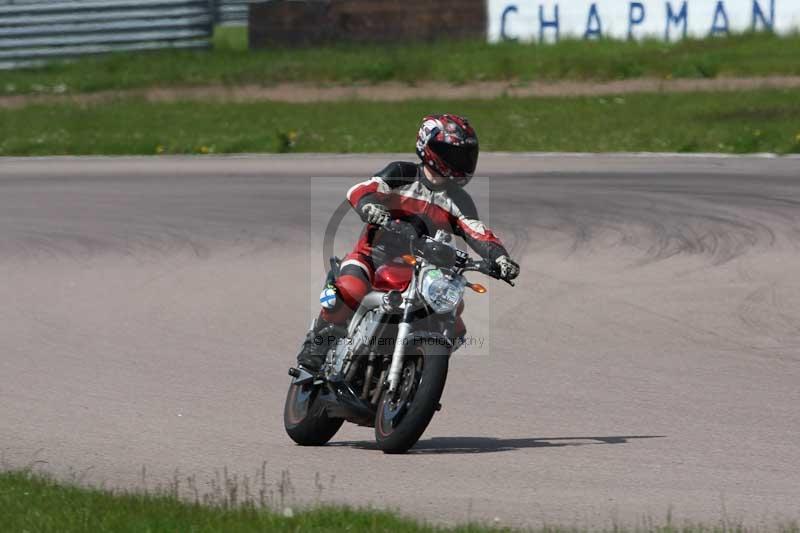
{"x":394,"y":92}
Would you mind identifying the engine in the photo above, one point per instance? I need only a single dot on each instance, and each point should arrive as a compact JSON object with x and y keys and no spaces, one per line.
{"x":360,"y":343}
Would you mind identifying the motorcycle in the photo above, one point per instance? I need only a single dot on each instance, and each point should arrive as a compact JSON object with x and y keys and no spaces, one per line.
{"x":387,"y":368}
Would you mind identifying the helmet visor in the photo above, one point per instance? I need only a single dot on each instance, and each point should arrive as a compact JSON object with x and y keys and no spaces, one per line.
{"x":462,"y":159}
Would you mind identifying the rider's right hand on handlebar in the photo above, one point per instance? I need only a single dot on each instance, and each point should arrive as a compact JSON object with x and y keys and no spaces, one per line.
{"x":375,"y":214}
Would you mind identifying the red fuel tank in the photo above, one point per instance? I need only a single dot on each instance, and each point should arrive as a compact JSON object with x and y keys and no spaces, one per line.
{"x":393,"y":277}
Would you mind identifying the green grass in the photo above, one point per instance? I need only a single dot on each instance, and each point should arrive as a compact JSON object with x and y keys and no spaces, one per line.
{"x":230,"y":63}
{"x":230,"y":38}
{"x":754,"y":121}
{"x":32,"y":503}
{"x":36,"y":503}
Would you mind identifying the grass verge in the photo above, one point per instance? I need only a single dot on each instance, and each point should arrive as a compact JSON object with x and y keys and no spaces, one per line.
{"x":35,"y":503}
{"x":747,"y":122}
{"x":230,"y":63}
{"x":32,"y":503}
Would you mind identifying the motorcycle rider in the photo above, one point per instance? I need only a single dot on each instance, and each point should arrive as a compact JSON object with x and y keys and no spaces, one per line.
{"x":429,"y":194}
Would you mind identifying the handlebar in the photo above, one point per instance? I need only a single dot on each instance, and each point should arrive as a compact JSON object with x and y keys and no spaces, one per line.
{"x":486,"y":268}
{"x":407,"y":231}
{"x":402,"y":229}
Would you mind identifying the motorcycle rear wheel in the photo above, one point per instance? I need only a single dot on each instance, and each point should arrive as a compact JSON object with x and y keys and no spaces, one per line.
{"x":306,"y":423}
{"x":404,"y":415}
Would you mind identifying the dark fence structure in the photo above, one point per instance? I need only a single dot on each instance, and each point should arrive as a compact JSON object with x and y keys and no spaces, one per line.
{"x":307,"y":22}
{"x":231,"y":12}
{"x":35,"y":31}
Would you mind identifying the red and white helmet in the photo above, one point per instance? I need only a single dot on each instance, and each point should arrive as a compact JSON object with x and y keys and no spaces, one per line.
{"x":448,"y":144}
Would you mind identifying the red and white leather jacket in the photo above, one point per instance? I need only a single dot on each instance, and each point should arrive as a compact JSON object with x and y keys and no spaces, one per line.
{"x":403,"y":189}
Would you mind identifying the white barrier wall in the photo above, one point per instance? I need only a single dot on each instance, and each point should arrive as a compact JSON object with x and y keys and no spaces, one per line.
{"x":549,"y":20}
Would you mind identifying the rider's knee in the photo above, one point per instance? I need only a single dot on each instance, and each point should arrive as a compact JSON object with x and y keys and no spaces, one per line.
{"x":350,"y":290}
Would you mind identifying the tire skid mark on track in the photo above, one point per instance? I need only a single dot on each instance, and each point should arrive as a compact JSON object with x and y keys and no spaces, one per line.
{"x":661,"y":225}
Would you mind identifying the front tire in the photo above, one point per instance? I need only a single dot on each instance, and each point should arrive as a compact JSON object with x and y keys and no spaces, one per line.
{"x":305,"y":422}
{"x":404,"y":415}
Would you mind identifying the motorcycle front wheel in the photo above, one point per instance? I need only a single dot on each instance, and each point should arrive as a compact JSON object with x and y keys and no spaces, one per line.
{"x":404,"y":415}
{"x":305,"y":422}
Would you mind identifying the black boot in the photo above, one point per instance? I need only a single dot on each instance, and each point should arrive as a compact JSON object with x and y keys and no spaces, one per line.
{"x":320,"y":338}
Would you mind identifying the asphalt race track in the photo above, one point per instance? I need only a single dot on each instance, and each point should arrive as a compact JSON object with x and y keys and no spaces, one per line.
{"x":648,"y":361}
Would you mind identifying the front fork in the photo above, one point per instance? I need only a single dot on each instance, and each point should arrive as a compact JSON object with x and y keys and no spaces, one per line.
{"x":398,"y":356}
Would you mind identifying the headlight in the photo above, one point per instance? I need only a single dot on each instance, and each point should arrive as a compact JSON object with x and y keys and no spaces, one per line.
{"x":442,"y":293}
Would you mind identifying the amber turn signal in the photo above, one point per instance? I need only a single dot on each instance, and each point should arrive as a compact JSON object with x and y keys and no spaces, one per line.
{"x":409,"y":259}
{"x":477,"y":287}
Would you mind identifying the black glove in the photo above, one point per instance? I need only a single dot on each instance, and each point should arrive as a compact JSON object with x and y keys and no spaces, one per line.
{"x":375,"y":214}
{"x":508,"y":268}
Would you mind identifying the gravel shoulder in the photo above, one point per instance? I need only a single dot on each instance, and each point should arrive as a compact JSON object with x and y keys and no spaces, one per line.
{"x":396,"y":92}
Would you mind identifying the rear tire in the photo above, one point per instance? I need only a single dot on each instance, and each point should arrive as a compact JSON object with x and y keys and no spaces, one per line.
{"x":305,"y":422}
{"x":415,"y":413}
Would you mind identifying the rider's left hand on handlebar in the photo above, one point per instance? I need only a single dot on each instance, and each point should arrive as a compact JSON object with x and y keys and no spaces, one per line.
{"x":507,"y":267}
